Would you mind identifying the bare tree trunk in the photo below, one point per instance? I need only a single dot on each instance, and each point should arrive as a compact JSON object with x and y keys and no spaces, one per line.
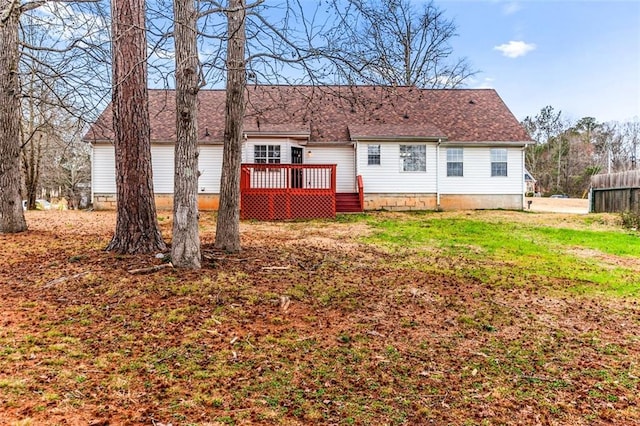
{"x":31,"y":160}
{"x":185,"y":245}
{"x":27,"y":143}
{"x":11,"y":213}
{"x":228,"y":225}
{"x":137,"y":229}
{"x":560,"y":143}
{"x":406,"y":44}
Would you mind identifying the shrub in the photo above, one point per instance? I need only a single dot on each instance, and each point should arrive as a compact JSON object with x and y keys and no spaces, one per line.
{"x":631,"y":219}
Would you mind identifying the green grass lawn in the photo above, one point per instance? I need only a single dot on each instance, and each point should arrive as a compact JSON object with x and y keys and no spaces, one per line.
{"x":507,"y":252}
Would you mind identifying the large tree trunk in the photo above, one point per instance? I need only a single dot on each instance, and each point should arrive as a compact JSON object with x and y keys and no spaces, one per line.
{"x":185,"y":245}
{"x":137,"y":228}
{"x":11,"y":213}
{"x":228,"y":225}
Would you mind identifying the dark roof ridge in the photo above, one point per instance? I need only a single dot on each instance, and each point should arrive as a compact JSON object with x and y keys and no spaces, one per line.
{"x":319,"y":86}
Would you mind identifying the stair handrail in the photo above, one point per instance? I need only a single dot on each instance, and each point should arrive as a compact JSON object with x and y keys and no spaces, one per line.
{"x":361,"y":192}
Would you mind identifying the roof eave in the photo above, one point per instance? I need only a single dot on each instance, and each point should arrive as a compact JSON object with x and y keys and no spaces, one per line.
{"x":398,"y":138}
{"x":487,"y":143}
{"x":95,"y":141}
{"x":276,"y":134}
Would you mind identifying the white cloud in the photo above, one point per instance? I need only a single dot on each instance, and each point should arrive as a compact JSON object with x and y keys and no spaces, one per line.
{"x":485,"y":83}
{"x":515,"y":49}
{"x":511,"y":8}
{"x":480,"y":83}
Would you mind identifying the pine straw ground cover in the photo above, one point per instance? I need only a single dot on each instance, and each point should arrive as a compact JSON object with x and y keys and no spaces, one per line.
{"x":368,"y":319}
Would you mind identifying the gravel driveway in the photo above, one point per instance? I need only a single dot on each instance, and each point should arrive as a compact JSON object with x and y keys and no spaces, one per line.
{"x":558,"y":205}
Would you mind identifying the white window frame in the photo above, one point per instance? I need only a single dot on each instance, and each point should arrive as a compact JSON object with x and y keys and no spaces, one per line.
{"x":455,"y":157}
{"x":410,"y":158}
{"x":499,"y":162}
{"x":272,"y":154}
{"x":374,"y":155}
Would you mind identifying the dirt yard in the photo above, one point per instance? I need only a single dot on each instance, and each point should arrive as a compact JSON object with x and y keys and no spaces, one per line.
{"x":308,"y":325}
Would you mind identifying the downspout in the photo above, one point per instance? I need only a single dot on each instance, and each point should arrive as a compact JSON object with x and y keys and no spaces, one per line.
{"x":523,"y":182}
{"x":355,"y":163}
{"x":93,"y":168}
{"x":438,"y":174}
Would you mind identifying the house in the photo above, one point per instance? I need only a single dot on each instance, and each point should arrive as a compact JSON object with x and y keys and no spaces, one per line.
{"x":396,"y":148}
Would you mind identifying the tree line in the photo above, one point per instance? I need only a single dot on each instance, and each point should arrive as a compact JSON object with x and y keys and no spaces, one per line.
{"x":565,"y":153}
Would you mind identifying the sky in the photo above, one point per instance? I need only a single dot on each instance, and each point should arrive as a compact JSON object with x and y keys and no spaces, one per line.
{"x":580,"y":57}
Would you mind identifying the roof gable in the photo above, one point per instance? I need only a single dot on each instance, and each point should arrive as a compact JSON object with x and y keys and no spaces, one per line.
{"x":340,"y":113}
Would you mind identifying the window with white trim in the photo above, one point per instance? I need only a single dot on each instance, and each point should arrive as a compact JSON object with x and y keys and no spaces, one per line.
{"x":413,"y":158}
{"x":455,"y":158}
{"x":266,"y":154}
{"x":498,"y":161}
{"x":373,"y":155}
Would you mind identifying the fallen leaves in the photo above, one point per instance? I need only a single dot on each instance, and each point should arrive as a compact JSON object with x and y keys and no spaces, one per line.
{"x":311,"y":327}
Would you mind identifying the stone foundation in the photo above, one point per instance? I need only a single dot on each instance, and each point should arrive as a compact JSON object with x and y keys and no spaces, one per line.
{"x":480,"y":202}
{"x":164,"y":202}
{"x":403,"y":202}
{"x":399,"y":202}
{"x":104,"y":201}
{"x":392,"y":202}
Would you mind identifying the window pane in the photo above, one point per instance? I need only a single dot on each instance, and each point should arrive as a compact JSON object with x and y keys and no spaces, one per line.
{"x":274,"y":154}
{"x":373,"y":154}
{"x":266,"y":154}
{"x":498,"y":155}
{"x":454,"y":155}
{"x":413,"y":158}
{"x":260,"y":153}
{"x":498,"y":169}
{"x":454,"y":169}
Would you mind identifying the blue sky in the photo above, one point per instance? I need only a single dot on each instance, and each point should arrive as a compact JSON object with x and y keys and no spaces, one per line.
{"x":581,"y":57}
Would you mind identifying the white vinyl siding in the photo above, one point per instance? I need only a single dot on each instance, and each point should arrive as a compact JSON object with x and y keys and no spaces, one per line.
{"x":477,"y":173}
{"x":388,"y":177}
{"x":103,"y":173}
{"x":342,"y":157}
{"x":384,"y":178}
{"x":210,"y":167}
{"x":162,"y":164}
{"x":285,"y":144}
{"x":104,"y":169}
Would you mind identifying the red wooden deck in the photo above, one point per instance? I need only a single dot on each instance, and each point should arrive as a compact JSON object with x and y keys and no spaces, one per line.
{"x":287,"y":191}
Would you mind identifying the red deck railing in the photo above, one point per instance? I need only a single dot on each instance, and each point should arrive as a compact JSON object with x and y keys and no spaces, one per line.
{"x":287,"y":191}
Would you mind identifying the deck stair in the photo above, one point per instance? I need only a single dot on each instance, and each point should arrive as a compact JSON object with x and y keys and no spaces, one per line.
{"x":348,"y":203}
